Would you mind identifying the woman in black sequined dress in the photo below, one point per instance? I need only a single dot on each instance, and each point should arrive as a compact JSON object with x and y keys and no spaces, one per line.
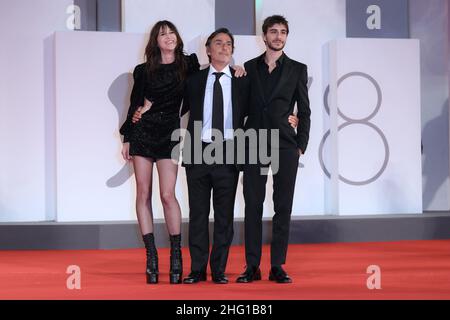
{"x":157,"y":94}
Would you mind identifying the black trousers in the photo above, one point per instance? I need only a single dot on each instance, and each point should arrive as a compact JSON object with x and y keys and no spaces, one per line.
{"x":283,"y":193}
{"x":222,"y":181}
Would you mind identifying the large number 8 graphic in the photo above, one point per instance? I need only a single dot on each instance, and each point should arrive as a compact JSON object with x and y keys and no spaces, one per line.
{"x":349,"y":121}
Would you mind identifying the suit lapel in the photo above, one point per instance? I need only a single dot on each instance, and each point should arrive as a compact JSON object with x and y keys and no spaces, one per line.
{"x":285,"y":73}
{"x":258,"y":80}
{"x":203,"y":78}
{"x":234,"y":98}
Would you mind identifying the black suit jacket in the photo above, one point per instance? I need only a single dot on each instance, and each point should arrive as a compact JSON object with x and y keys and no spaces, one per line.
{"x":274,"y":112}
{"x":194,"y":95}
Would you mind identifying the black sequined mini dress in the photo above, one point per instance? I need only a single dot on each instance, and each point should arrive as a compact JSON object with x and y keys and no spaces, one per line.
{"x":151,"y":136}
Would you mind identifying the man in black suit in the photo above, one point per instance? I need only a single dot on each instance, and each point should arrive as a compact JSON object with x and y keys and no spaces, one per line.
{"x":217,"y":101}
{"x":277,"y":84}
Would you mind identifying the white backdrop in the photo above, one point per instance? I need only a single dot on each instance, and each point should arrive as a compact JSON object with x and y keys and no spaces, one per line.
{"x":27,"y":173}
{"x":93,"y":182}
{"x":102,"y":204}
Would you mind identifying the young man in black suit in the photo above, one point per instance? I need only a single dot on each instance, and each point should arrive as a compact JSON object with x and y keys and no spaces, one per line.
{"x":277,"y":84}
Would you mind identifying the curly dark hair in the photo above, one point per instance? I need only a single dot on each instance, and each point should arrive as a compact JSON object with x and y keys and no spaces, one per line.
{"x":270,"y":21}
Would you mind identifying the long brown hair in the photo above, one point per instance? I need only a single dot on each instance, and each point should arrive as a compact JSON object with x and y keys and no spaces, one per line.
{"x":153,"y":53}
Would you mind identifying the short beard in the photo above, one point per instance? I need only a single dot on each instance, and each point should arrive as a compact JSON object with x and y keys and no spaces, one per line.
{"x":275,"y":49}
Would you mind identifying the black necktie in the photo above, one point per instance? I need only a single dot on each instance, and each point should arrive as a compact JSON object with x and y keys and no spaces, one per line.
{"x":217,"y":111}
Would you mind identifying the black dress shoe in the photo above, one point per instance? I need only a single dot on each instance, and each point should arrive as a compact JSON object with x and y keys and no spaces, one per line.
{"x":250,"y":274}
{"x":194,"y":277}
{"x":219,"y":278}
{"x":279,"y":275}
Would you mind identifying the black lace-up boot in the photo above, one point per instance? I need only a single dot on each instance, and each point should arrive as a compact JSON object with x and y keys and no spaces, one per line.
{"x":176,"y":260}
{"x":152,"y":258}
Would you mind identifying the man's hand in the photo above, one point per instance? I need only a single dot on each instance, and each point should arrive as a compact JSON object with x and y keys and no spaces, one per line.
{"x":293,"y":121}
{"x":126,"y":151}
{"x":239,"y":71}
{"x":137,"y":115}
{"x":141,"y":110}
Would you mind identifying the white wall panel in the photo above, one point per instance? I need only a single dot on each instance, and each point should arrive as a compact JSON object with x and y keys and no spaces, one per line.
{"x":25,"y":26}
{"x":93,"y":85}
{"x":377,"y":99}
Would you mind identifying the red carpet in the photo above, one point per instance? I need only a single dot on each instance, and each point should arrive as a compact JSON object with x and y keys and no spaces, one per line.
{"x":409,"y":270}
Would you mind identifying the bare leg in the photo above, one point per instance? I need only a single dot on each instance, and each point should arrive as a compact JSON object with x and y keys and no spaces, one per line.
{"x":168,"y":171}
{"x":143,"y":170}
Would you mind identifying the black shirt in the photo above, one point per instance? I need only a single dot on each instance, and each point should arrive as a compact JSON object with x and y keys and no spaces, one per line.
{"x":269,"y":80}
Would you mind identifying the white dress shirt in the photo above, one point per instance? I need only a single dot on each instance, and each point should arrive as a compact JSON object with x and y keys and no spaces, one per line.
{"x":225,"y":82}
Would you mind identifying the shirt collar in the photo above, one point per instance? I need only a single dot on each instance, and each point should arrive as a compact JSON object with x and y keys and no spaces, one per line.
{"x":226,"y":71}
{"x":279,"y":62}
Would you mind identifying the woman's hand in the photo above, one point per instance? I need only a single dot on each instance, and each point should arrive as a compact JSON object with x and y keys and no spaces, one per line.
{"x":126,"y":151}
{"x":293,"y":121}
{"x":239,"y":71}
